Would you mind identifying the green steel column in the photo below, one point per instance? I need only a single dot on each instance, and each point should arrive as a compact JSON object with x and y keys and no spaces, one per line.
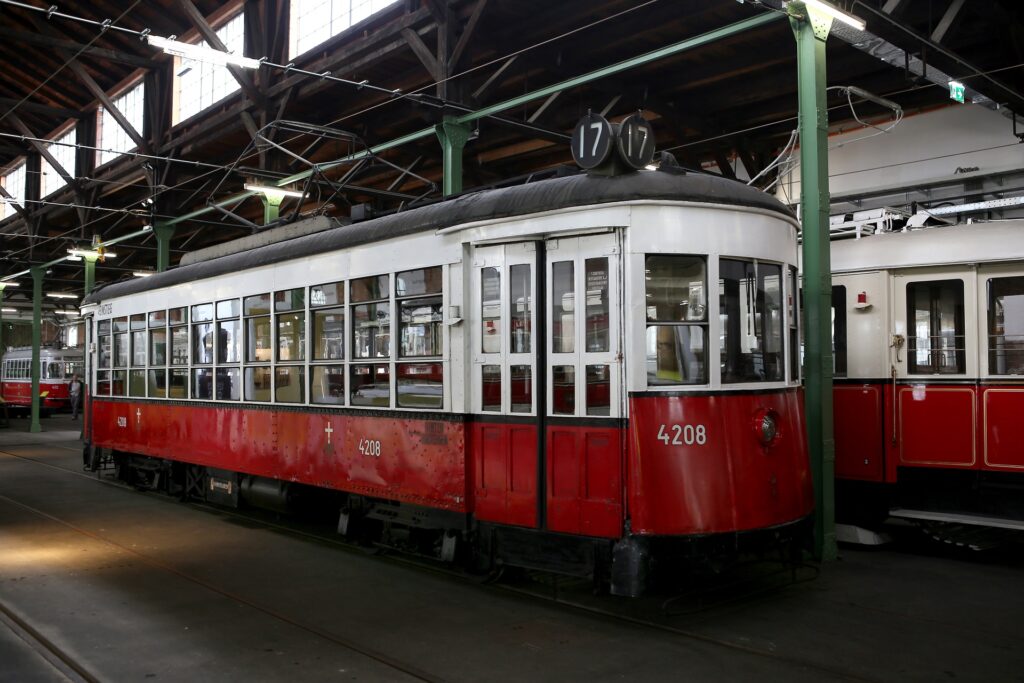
{"x":811,"y":31}
{"x":271,"y":207}
{"x":90,"y":273}
{"x":453,"y":136}
{"x":37,"y":339}
{"x":163,"y":231}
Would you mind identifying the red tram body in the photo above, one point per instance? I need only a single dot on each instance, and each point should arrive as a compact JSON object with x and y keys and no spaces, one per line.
{"x":56,"y":368}
{"x":929,"y":389}
{"x":551,"y":399}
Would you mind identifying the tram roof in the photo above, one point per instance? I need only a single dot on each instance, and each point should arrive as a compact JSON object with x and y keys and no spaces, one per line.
{"x":517,"y":201}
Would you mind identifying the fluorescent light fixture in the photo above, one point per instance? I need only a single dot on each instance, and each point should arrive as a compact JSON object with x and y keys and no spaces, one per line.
{"x":201,"y":53}
{"x":71,"y":257}
{"x":88,"y":253}
{"x":8,"y":310}
{"x":143,"y":273}
{"x":835,"y":13}
{"x":8,"y":284}
{"x":61,"y":295}
{"x":66,"y":312}
{"x":271,"y":190}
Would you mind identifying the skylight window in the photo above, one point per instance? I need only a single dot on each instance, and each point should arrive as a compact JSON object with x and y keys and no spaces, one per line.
{"x":64,"y":153}
{"x":14,"y":182}
{"x":316,"y":21}
{"x":110,"y":135}
{"x":199,"y":85}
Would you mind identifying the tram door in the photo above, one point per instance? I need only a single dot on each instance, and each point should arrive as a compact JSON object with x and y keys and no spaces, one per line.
{"x":547,"y":440}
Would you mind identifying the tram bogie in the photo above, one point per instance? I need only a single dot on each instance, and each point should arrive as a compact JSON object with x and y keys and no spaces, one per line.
{"x":510,"y":377}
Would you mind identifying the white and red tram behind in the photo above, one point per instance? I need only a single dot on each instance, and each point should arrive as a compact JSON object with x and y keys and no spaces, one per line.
{"x":56,"y":368}
{"x":929,"y":389}
{"x":532,"y":369}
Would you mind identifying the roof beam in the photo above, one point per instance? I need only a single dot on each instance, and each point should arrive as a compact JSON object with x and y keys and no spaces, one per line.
{"x":947,"y":20}
{"x":421,"y":50}
{"x":467,"y":33}
{"x":43,"y":150}
{"x":62,"y":112}
{"x":17,"y":207}
{"x":53,"y":41}
{"x":97,"y":92}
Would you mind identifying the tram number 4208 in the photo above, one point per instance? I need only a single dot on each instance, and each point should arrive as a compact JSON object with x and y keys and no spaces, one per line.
{"x":369,"y":447}
{"x":683,"y":435}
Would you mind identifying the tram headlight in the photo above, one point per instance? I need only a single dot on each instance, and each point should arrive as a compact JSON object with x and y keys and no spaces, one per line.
{"x":766,"y":426}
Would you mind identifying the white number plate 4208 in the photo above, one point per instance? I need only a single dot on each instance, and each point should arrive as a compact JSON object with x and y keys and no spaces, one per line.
{"x":683,"y":435}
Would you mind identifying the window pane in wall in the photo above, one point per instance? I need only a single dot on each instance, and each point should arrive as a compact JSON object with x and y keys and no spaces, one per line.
{"x":111,"y":138}
{"x":370,"y":288}
{"x":675,"y":288}
{"x":563,"y":307}
{"x":371,"y":331}
{"x":228,"y":309}
{"x":14,"y":182}
{"x":315,"y":21}
{"x":202,"y":348}
{"x":257,"y":336}
{"x":599,"y":399}
{"x":596,"y":280}
{"x":120,"y":350}
{"x":750,"y":310}
{"x":290,"y":384}
{"x":158,"y":383}
{"x":202,"y":386}
{"x":522,"y":388}
{"x":119,"y":383}
{"x":327,"y":295}
{"x":563,"y":388}
{"x":257,"y":384}
{"x":490,"y":388}
{"x":177,"y":316}
{"x":137,"y":383}
{"x":291,"y":337}
{"x":1006,"y":326}
{"x":229,"y":384}
{"x":158,"y":318}
{"x":676,"y":354}
{"x":200,"y":84}
{"x":329,"y":334}
{"x":229,"y":341}
{"x":178,"y":383}
{"x":179,"y":345}
{"x":103,"y":383}
{"x":490,"y":310}
{"x":421,"y":327}
{"x":138,"y":349}
{"x":257,"y":305}
{"x":63,"y":153}
{"x":418,"y":282}
{"x":420,"y":385}
{"x":520,"y":304}
{"x":371,"y":385}
{"x":202,"y":313}
{"x":105,"y":347}
{"x":328,"y":384}
{"x":289,"y":300}
{"x":937,"y":342}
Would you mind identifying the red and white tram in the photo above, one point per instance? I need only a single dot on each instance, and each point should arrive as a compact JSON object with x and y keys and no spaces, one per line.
{"x":929,"y":389}
{"x":529,"y":372}
{"x":56,"y":368}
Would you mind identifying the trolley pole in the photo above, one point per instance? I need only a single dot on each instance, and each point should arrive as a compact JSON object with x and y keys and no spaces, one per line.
{"x":453,"y":136}
{"x":37,"y":339}
{"x":811,"y":30}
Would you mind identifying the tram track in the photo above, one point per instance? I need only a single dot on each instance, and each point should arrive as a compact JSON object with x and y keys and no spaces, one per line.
{"x":560,"y":600}
{"x":63,"y":662}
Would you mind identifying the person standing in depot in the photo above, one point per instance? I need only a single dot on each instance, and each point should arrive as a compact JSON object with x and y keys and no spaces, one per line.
{"x":75,"y":392}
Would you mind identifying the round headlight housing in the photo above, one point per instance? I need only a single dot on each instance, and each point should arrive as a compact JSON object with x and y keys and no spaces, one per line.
{"x":766,"y":427}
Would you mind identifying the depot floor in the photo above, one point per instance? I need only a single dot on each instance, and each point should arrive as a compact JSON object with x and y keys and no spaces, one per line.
{"x":100,"y":582}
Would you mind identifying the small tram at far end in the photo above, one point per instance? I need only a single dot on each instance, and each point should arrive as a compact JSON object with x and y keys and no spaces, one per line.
{"x":592,"y":375}
{"x":56,"y":368}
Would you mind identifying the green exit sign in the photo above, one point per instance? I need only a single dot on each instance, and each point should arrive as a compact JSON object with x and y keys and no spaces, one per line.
{"x":956,"y":91}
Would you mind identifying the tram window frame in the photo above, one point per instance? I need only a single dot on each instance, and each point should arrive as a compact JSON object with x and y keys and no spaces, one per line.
{"x":156,"y":360}
{"x":105,"y":346}
{"x":327,"y":368}
{"x":228,"y":351}
{"x":419,"y":377}
{"x":959,"y":314}
{"x":746,"y":363}
{"x":202,"y":344}
{"x":997,"y":290}
{"x":680,"y":328}
{"x":139,"y":341}
{"x":120,"y":357}
{"x":257,"y":373}
{"x":177,"y":341}
{"x":372,"y":294}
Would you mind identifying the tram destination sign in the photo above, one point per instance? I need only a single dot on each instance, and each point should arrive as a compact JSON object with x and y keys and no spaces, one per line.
{"x":591,"y":141}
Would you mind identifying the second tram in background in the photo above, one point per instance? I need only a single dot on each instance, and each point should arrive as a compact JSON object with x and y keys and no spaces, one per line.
{"x":929,"y":389}
{"x":578,"y":374}
{"x":56,"y":368}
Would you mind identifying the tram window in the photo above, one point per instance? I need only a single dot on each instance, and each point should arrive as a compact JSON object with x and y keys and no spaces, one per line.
{"x":794,"y":331}
{"x":229,"y":341}
{"x":750,"y":310}
{"x":328,"y":384}
{"x":103,"y":327}
{"x":1006,"y":326}
{"x":120,"y":380}
{"x":178,"y":383}
{"x":120,"y":324}
{"x":202,"y":313}
{"x":331,"y":294}
{"x":418,"y":282}
{"x":677,"y":323}
{"x":103,"y":382}
{"x":370,"y":385}
{"x":158,"y":347}
{"x":179,"y":345}
{"x":138,"y":321}
{"x":563,"y":307}
{"x":137,"y":383}
{"x":54,"y":371}
{"x":329,"y":333}
{"x":121,"y":350}
{"x":596,"y":283}
{"x":936,"y":312}
{"x":369,"y":288}
{"x":291,"y":336}
{"x":105,"y":344}
{"x":158,"y":383}
{"x":839,"y":330}
{"x":289,"y":300}
{"x":257,"y":336}
{"x":522,"y":388}
{"x":229,"y":384}
{"x":490,"y":310}
{"x":228,"y":309}
{"x":177,"y":316}
{"x":520,"y":305}
{"x":563,"y":387}
{"x":371,"y":331}
{"x":256,"y":305}
{"x":202,"y":344}
{"x":490,"y":388}
{"x":599,"y":399}
{"x":420,"y":385}
{"x":139,"y":349}
{"x":257,"y":384}
{"x":202,"y":383}
{"x":158,"y":318}
{"x":420,"y":318}
{"x":290,"y":384}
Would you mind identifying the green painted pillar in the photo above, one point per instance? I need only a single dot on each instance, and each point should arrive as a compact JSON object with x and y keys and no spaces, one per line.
{"x":163,"y":231}
{"x":90,"y":273}
{"x":453,"y":136}
{"x":37,"y":340}
{"x":811,"y":31}
{"x":271,"y":207}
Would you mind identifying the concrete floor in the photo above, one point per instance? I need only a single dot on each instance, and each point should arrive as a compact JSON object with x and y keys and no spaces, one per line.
{"x":135,"y":586}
